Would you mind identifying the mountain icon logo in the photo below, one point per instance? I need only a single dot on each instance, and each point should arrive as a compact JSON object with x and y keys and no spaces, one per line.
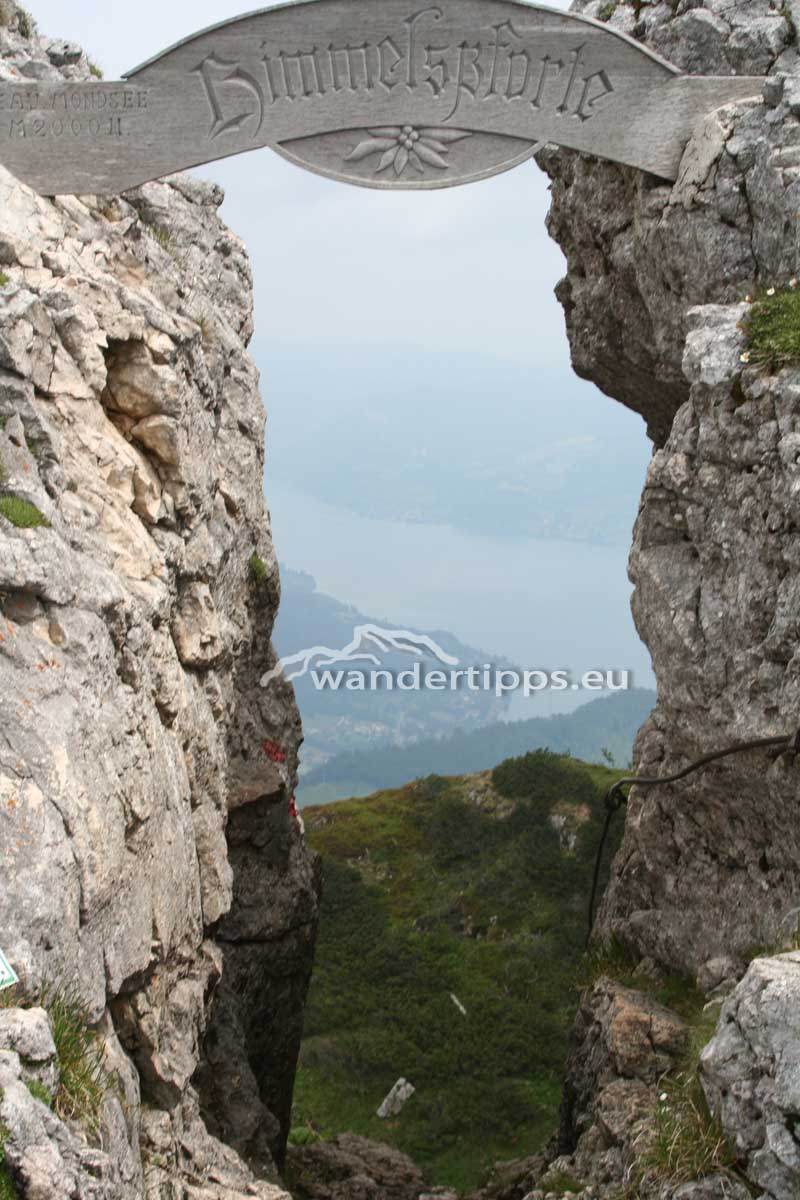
{"x":368,"y":643}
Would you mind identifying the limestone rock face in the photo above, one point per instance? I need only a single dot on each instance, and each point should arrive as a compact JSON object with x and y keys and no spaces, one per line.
{"x":656,"y":290}
{"x":640,"y":253}
{"x":132,"y":641}
{"x":658,"y":282}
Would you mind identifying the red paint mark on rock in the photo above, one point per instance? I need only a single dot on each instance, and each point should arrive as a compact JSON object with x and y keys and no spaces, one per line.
{"x":273,"y":751}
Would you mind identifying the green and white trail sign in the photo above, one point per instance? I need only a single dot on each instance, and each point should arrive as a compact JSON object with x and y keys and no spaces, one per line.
{"x":8,"y":976}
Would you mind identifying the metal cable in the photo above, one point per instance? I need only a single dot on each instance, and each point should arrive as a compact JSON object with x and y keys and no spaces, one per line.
{"x":615,"y":798}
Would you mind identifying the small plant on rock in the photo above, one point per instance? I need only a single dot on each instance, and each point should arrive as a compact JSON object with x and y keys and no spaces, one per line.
{"x":84,"y":1080}
{"x":258,"y":569}
{"x":39,"y":1092}
{"x":161,"y":236}
{"x":608,"y":10}
{"x":686,"y":1141}
{"x":94,"y":70}
{"x":25,"y":23}
{"x":203,"y":321}
{"x":772,"y":326}
{"x":303,"y":1135}
{"x":3,"y":279}
{"x":22,"y":514}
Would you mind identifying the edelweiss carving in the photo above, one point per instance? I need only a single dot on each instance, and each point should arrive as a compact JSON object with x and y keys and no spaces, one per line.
{"x":405,"y":146}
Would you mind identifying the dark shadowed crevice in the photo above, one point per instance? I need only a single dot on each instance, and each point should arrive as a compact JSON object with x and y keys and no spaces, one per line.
{"x":256,"y":1020}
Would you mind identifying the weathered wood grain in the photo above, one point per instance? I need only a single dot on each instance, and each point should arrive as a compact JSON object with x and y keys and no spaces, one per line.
{"x":381,"y":93}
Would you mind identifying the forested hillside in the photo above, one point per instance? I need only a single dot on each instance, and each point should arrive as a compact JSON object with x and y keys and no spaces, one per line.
{"x":464,"y":893}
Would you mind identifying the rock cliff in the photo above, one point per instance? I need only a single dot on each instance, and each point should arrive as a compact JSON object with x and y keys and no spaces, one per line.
{"x":654,"y":297}
{"x":150,"y":855}
{"x":659,"y":279}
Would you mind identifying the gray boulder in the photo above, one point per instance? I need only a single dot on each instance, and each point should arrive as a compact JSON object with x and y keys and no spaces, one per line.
{"x":349,"y":1167}
{"x":751,"y":1073}
{"x":27,"y":1033}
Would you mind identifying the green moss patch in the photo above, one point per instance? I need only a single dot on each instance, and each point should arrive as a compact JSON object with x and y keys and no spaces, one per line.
{"x":22,"y":513}
{"x":8,"y":1189}
{"x":772,"y":326}
{"x":258,"y":569}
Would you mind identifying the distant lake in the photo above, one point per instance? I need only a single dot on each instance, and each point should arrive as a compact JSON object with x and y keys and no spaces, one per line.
{"x":543,"y":604}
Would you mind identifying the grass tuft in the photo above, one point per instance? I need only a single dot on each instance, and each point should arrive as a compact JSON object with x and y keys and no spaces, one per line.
{"x":39,"y":1092}
{"x":613,"y":958}
{"x":203,"y":321}
{"x":162,"y":236}
{"x":3,"y":279}
{"x":561,"y":1183}
{"x":26,"y":26}
{"x":94,"y":70}
{"x":772,"y":326}
{"x":669,"y":987}
{"x":258,"y":569}
{"x":303,"y":1135}
{"x":79,"y":1049}
{"x":608,"y":10}
{"x":84,"y":1081}
{"x":22,"y":513}
{"x":687,"y":1141}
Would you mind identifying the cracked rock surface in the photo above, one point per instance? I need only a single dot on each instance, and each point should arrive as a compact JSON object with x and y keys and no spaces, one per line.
{"x":654,"y":296}
{"x":751,"y":1072}
{"x":656,"y":287}
{"x":149,"y":852}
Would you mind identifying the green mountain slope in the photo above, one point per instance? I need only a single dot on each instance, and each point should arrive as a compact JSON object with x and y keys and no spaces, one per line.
{"x":609,"y":723}
{"x":473,"y":887}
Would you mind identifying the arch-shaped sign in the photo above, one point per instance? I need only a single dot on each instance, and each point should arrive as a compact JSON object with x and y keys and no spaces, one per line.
{"x":380,"y":93}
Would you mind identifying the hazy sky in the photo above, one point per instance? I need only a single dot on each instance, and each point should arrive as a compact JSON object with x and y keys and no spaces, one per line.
{"x":339,"y":262}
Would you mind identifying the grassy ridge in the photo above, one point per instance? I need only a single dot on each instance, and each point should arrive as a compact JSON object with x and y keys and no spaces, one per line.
{"x":462,"y":886}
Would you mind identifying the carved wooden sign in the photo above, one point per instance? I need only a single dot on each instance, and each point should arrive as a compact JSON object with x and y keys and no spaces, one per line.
{"x":381,"y":93}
